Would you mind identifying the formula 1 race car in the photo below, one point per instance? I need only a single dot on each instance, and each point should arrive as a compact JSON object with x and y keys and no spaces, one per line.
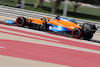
{"x":59,"y":24}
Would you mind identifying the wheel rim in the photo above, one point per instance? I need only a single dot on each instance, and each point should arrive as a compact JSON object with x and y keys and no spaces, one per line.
{"x":19,"y":21}
{"x":76,"y":33}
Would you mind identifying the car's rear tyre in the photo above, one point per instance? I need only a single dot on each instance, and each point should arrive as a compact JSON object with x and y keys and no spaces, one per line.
{"x":88,"y":36}
{"x":21,"y":21}
{"x":76,"y":33}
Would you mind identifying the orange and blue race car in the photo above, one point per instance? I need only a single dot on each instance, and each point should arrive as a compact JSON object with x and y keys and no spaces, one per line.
{"x":59,"y":24}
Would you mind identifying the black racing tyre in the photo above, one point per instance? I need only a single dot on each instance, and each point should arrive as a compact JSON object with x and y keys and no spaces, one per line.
{"x":76,"y":33}
{"x":21,"y":21}
{"x":88,"y":36}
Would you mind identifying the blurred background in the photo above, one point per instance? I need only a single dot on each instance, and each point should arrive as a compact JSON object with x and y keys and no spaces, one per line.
{"x":87,"y":9}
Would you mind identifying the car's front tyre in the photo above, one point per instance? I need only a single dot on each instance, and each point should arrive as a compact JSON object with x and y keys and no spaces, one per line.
{"x":21,"y":21}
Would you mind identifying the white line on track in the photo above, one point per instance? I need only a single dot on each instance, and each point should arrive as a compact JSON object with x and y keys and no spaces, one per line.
{"x":63,"y":46}
{"x":2,"y":47}
{"x":69,"y":47}
{"x":47,"y":34}
{"x":28,"y":35}
{"x":25,"y":39}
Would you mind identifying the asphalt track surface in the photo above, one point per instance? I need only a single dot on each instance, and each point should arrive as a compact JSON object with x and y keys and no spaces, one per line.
{"x":22,"y":47}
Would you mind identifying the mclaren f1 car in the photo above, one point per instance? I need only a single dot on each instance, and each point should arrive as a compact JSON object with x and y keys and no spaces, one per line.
{"x":59,"y":24}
